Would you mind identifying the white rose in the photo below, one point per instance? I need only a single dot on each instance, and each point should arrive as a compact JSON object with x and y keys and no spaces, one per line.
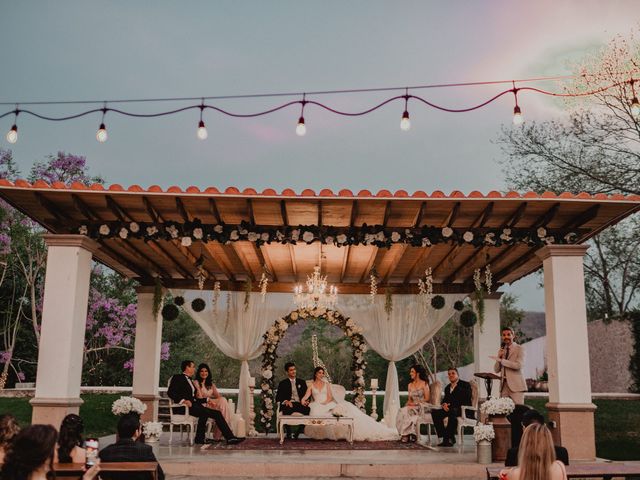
{"x":83,"y":230}
{"x":328,"y":239}
{"x":151,"y":231}
{"x":104,"y":230}
{"x":253,"y":236}
{"x":542,"y":232}
{"x":342,"y":238}
{"x":123,"y":233}
{"x":279,"y":235}
{"x":265,"y":386}
{"x":198,"y":233}
{"x":426,"y":242}
{"x":243,"y":231}
{"x":549,"y":240}
{"x":490,"y":238}
{"x":369,"y":238}
{"x":267,"y":374}
{"x":234,"y":235}
{"x":308,"y":237}
{"x":395,"y":237}
{"x":468,"y":237}
{"x":295,"y":234}
{"x":294,"y":315}
{"x":218,"y":229}
{"x":186,"y":241}
{"x":134,"y":227}
{"x":264,"y":237}
{"x":380,"y":237}
{"x":447,"y":232}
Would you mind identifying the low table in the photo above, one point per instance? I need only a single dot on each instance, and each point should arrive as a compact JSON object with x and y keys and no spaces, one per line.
{"x":314,"y":421}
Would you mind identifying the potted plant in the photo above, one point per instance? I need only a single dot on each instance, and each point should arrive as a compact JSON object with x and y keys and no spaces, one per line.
{"x":483,"y":435}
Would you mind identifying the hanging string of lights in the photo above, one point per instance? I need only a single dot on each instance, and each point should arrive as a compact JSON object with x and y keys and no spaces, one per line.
{"x":301,"y":128}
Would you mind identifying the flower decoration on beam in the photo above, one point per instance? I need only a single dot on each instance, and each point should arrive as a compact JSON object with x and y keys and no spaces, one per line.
{"x":368,"y":235}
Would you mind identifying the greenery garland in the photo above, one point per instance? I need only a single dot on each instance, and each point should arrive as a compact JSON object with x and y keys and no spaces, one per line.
{"x":276,"y":332}
{"x":376,"y":235}
{"x":157,"y":298}
{"x":634,"y":361}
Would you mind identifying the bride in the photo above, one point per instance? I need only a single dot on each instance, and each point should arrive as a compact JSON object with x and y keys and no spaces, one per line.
{"x":365,"y":428}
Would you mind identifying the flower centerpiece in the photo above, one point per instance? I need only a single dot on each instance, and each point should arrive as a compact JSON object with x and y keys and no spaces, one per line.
{"x":498,"y":406}
{"x":339,"y":411}
{"x":152,"y":431}
{"x":125,"y":405}
{"x":483,"y":433}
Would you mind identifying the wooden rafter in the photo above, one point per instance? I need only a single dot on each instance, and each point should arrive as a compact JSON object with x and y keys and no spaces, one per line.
{"x":216,"y":253}
{"x":213,"y":208}
{"x":153,"y":214}
{"x":354,"y":213}
{"x":283,"y":213}
{"x":51,"y":208}
{"x":84,"y":208}
{"x":387,"y":212}
{"x":182,"y":210}
{"x":267,"y":261}
{"x":420,"y":215}
{"x":453,"y":215}
{"x":135,"y":268}
{"x":239,"y":256}
{"x":252,"y":219}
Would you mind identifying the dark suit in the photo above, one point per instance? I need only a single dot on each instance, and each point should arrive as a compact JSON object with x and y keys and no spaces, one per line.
{"x":181,"y":388}
{"x":512,"y":456}
{"x":285,"y":392}
{"x":460,"y":396}
{"x":128,"y":450}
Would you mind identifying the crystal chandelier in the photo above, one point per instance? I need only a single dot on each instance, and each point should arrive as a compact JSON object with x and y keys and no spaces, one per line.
{"x":316,"y":294}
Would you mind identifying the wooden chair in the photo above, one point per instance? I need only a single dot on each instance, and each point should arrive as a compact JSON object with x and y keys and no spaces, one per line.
{"x":464,"y":420}
{"x":181,"y":419}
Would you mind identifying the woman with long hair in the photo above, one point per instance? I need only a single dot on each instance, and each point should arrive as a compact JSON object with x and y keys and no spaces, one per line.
{"x":205,"y":388}
{"x":536,"y":457}
{"x":419,"y":393}
{"x":9,"y":428}
{"x":70,"y":441}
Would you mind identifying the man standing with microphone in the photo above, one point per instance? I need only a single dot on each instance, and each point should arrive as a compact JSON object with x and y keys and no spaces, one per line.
{"x":509,"y":363}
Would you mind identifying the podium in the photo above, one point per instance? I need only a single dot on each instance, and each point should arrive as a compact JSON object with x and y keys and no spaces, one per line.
{"x":488,"y":377}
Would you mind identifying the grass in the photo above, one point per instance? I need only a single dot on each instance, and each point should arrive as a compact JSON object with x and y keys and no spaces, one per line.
{"x":617,"y":427}
{"x":617,"y":421}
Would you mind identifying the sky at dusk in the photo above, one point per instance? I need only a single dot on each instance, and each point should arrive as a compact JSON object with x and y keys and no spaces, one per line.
{"x":77,"y":50}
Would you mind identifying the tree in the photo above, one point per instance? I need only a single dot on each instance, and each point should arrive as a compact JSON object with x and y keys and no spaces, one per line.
{"x":512,"y":316}
{"x":597,"y":150}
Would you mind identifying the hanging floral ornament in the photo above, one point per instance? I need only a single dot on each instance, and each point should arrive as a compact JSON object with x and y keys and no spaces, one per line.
{"x":247,"y":294}
{"x":388,"y":302}
{"x":425,"y":286}
{"x":373,"y":279}
{"x":488,"y":278}
{"x":264,"y":282}
{"x":216,"y":294}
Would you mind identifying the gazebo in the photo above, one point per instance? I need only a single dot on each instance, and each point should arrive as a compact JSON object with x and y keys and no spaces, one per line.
{"x":181,"y":236}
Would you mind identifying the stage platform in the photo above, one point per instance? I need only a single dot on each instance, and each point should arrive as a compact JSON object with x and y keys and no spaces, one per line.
{"x":248,"y":460}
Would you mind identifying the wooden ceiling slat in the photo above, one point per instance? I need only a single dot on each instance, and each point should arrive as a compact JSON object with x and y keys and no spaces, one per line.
{"x":219,"y":256}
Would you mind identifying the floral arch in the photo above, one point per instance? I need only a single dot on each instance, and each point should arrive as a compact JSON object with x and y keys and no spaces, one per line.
{"x":276,"y":333}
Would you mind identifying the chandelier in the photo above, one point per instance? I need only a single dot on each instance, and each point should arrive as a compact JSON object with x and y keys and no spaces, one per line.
{"x":316,"y":294}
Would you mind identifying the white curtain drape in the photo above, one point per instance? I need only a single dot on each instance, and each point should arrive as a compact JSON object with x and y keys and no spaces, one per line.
{"x":237,"y":331}
{"x":397,"y":335}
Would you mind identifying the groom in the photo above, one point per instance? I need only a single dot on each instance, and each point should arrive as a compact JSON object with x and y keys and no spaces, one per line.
{"x":290,"y":392}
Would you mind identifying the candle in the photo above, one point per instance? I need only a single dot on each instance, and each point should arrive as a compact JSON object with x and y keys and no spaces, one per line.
{"x":252,"y":381}
{"x":374,"y":383}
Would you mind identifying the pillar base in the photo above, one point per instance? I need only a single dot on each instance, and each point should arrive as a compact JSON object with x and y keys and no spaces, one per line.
{"x":51,"y":411}
{"x":151,"y":401}
{"x":574,"y":429}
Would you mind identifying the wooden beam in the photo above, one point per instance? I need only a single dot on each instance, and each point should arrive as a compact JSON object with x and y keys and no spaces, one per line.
{"x":370,"y":264}
{"x":586,"y":216}
{"x":354,"y":213}
{"x":84,"y":208}
{"x":320,"y":213}
{"x":252,"y":219}
{"x":292,"y":256}
{"x":517,"y":215}
{"x":544,"y":219}
{"x":283,"y":213}
{"x":345,"y":262}
{"x":126,"y":244}
{"x":181,"y":210}
{"x":128,"y":264}
{"x":119,"y":211}
{"x":213,"y":208}
{"x":267,"y":261}
{"x":151,"y":211}
{"x":387,"y":212}
{"x":52,"y":208}
{"x":343,"y":288}
{"x":218,"y":255}
{"x":485,"y":215}
{"x":160,"y":250}
{"x":239,"y":256}
{"x":418,"y":220}
{"x":453,"y":215}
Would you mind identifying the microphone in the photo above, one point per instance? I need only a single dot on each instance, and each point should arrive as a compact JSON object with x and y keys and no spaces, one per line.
{"x":502,"y":345}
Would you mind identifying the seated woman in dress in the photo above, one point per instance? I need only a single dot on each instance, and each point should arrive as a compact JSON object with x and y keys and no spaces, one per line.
{"x":9,"y":428}
{"x":407,"y":418}
{"x":206,"y":389}
{"x":365,"y":428}
{"x":536,"y":457}
{"x":70,"y":441}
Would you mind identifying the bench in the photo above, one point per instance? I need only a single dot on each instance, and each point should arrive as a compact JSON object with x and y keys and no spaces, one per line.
{"x":77,"y":469}
{"x":587,"y":470}
{"x":315,"y":421}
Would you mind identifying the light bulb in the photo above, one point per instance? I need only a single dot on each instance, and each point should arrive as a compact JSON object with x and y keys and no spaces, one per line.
{"x":635,"y":107}
{"x":518,"y":119}
{"x":12,"y":135}
{"x":405,"y":123}
{"x":101,"y":135}
{"x":202,"y":131}
{"x":301,"y":128}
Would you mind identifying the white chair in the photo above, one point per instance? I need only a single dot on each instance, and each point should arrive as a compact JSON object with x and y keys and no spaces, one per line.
{"x":464,"y":420}
{"x":425,"y":418}
{"x":182,"y":419}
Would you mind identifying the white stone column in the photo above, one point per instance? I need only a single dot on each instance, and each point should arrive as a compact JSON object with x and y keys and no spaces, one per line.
{"x":64,"y":319}
{"x":146,"y":359}
{"x":486,"y":342}
{"x":570,"y":403}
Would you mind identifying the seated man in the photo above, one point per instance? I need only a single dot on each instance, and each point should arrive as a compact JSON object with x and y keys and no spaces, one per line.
{"x":183,"y":391}
{"x":529,"y":417}
{"x":290,"y":392}
{"x":126,"y":449}
{"x":456,"y":394}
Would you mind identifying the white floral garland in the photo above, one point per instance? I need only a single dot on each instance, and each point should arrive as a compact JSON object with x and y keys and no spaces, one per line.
{"x":277,"y":331}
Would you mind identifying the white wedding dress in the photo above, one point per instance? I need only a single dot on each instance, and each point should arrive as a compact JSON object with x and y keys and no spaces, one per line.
{"x":365,"y":428}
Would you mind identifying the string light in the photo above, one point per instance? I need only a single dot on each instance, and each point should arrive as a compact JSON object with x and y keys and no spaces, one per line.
{"x":202,"y":133}
{"x":518,"y":119}
{"x":12,"y":134}
{"x":405,"y":123}
{"x":101,"y":134}
{"x":301,"y":128}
